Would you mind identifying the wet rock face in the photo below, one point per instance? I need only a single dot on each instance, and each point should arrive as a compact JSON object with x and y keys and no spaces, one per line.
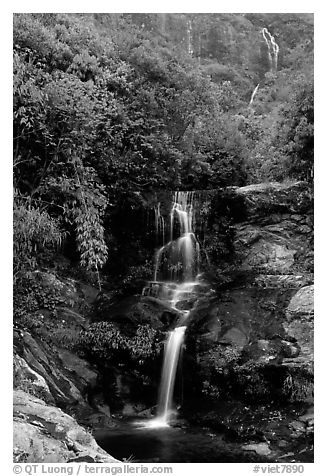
{"x":254,"y":338}
{"x":276,"y":236}
{"x":135,"y":310}
{"x":301,"y":304}
{"x":266,"y":254}
{"x":239,"y":316}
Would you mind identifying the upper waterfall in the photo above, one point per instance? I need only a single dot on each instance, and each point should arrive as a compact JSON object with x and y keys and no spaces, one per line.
{"x":178,"y":258}
{"x":273,"y":49}
{"x":189,"y":38}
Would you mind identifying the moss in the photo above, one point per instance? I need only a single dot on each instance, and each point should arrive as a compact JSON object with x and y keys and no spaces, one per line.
{"x":65,"y":338}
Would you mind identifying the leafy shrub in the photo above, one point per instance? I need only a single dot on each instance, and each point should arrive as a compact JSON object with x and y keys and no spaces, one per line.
{"x":136,"y":277}
{"x":31,"y":297}
{"x":34,"y":231}
{"x":103,"y":341}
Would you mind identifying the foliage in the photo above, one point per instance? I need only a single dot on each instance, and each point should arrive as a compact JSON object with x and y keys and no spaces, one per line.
{"x":103,"y":341}
{"x":31,"y":295}
{"x":279,"y":132}
{"x":297,"y":130}
{"x":137,"y":275}
{"x":252,"y":381}
{"x":298,"y":386}
{"x":34,"y":232}
{"x":108,"y":106}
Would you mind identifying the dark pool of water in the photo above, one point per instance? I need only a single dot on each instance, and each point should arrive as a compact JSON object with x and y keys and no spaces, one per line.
{"x":170,"y":445}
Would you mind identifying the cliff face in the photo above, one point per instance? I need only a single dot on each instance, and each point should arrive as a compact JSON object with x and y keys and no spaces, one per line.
{"x":252,"y":340}
{"x":276,"y":243}
{"x":52,"y":384}
{"x":265,"y":313}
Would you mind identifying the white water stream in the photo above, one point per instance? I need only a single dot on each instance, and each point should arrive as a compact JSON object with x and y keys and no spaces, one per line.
{"x":175,"y":281}
{"x":273,"y":49}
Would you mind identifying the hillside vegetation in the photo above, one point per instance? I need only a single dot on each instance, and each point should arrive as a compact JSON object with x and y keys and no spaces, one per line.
{"x":110,"y":107}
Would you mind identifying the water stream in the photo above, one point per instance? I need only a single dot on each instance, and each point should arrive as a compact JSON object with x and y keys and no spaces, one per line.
{"x":254,"y":93}
{"x":176,"y":280}
{"x":273,"y":49}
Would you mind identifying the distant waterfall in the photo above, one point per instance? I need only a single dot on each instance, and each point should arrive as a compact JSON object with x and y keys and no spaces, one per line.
{"x":253,"y":94}
{"x":176,"y":281}
{"x":273,"y":49}
{"x":162,"y":18}
{"x":189,"y":38}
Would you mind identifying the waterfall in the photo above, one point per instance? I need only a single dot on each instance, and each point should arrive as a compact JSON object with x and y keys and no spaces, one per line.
{"x":176,"y":280}
{"x":172,"y":352}
{"x":273,"y":49}
{"x":189,"y":37}
{"x":163,"y":17}
{"x":253,"y":94}
{"x":159,"y":224}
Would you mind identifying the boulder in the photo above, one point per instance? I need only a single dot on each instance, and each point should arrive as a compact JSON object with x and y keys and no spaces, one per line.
{"x":43,"y":359}
{"x":31,"y":381}
{"x":235,"y":337}
{"x":261,"y":449}
{"x":132,"y":311}
{"x":299,"y":324}
{"x":44,"y":433}
{"x":263,"y":351}
{"x":301,"y":305}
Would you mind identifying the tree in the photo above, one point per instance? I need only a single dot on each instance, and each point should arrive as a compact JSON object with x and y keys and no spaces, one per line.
{"x":297,"y":130}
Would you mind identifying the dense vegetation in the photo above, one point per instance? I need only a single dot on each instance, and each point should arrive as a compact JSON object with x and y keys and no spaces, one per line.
{"x":109,"y":108}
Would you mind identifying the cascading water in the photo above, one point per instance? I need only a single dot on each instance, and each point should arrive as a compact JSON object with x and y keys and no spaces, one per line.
{"x":273,"y":49}
{"x":253,"y":94}
{"x":171,"y":357}
{"x":175,"y":281}
{"x":160,"y":224}
{"x":189,"y":38}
